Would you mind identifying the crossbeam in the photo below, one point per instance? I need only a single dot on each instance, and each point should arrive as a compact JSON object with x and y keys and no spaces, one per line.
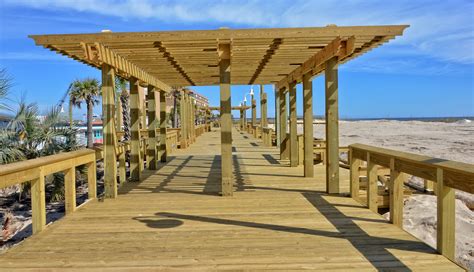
{"x":98,"y":54}
{"x":336,"y":48}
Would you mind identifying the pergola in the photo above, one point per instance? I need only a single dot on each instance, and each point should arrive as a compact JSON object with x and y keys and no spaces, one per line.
{"x":168,"y":60}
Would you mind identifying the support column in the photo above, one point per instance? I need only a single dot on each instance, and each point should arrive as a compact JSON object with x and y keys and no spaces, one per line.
{"x":277,"y":116}
{"x":152,"y":151}
{"x":241,"y":120}
{"x":109,"y":136}
{"x":254,"y":111}
{"x":264,"y":116}
{"x":308,"y":125}
{"x":182,"y":113}
{"x":332,"y":127}
{"x":226,"y":120}
{"x":293,"y":129}
{"x":162,"y":147}
{"x":284,"y":145}
{"x":135,"y":156}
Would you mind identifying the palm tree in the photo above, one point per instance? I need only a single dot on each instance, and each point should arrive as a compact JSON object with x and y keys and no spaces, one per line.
{"x":87,"y":91}
{"x":121,"y":88}
{"x":5,"y":84}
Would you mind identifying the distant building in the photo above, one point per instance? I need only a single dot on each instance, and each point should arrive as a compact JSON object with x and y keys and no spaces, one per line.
{"x":4,"y":120}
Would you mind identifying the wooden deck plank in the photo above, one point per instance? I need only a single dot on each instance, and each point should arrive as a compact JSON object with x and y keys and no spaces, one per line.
{"x":174,"y":219}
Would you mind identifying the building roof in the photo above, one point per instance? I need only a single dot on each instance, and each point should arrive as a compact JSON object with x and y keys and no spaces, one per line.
{"x":188,"y":58}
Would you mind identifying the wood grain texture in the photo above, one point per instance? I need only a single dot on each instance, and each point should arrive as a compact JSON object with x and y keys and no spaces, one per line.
{"x":174,"y":219}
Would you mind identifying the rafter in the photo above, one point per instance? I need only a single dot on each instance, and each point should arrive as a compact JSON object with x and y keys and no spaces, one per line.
{"x":268,"y":55}
{"x":337,"y":48}
{"x":97,"y":54}
{"x":173,"y":62}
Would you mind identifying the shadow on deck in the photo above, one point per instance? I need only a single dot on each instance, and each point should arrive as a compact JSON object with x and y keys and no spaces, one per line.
{"x":175,"y":218}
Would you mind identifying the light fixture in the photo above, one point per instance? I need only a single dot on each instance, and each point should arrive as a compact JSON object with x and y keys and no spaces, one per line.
{"x":251,"y":90}
{"x":245,"y":99}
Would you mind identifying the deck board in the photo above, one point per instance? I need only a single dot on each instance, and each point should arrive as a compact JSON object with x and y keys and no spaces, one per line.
{"x":175,"y":219}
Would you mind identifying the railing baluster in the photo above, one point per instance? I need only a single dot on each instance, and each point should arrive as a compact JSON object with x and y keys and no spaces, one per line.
{"x":446,"y":217}
{"x":38,"y":203}
{"x":354,"y":175}
{"x":92,"y":179}
{"x":70,"y":190}
{"x":372,"y":187}
{"x":396,"y":195}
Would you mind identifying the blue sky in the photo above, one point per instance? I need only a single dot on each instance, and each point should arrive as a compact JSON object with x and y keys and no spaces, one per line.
{"x":427,"y":72}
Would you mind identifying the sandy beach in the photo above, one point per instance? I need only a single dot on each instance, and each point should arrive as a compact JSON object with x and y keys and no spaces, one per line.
{"x":452,"y":141}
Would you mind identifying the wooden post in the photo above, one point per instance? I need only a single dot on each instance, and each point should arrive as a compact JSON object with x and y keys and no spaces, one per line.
{"x":284,"y":150}
{"x":135,"y":172}
{"x":162,"y":149}
{"x":354,"y":175}
{"x":152,"y":151}
{"x":332,"y":127}
{"x":446,"y":217}
{"x":372,"y":188}
{"x":254,"y":112}
{"x":70,"y":190}
{"x":396,"y":195}
{"x":38,"y":203}
{"x":308,"y":125}
{"x":277,"y":116}
{"x":226,"y":120}
{"x":293,"y":127}
{"x":92,"y":179}
{"x":182,"y":117}
{"x":110,"y":137}
{"x":241,"y":120}
{"x":263,"y":108}
{"x":122,"y":168}
{"x":301,"y":149}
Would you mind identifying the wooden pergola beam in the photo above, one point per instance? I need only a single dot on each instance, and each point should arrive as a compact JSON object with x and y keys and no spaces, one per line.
{"x":314,"y":65}
{"x":99,"y":54}
{"x":268,"y":55}
{"x":173,"y":62}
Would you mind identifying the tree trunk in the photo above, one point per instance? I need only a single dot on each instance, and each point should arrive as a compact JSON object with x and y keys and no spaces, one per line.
{"x":90,"y":140}
{"x":125,"y":99}
{"x":70,"y":115}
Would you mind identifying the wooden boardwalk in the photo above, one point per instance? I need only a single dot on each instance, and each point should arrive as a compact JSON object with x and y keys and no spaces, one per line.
{"x":174,"y":219}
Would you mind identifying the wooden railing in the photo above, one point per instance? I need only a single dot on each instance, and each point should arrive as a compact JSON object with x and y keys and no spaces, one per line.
{"x":35,"y":170}
{"x":267,"y":136}
{"x":448,"y":175}
{"x":319,"y":148}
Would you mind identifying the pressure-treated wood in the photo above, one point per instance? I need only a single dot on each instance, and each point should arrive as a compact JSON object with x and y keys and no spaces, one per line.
{"x":277,"y":220}
{"x":308,"y":125}
{"x":284,"y":144}
{"x":396,"y":195}
{"x":70,"y":190}
{"x":184,"y":58}
{"x":254,"y":111}
{"x":153,"y":119}
{"x":226,"y":120}
{"x":277,"y":115}
{"x":92,"y":179}
{"x":263,"y":107}
{"x":163,"y":121}
{"x":293,"y":127}
{"x":355,"y":164}
{"x":332,"y":127}
{"x":135,"y":151}
{"x":372,"y":188}
{"x":445,"y":241}
{"x":109,"y":133}
{"x":38,"y":203}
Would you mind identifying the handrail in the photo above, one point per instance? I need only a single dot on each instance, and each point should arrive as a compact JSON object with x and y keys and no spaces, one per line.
{"x":35,"y":170}
{"x":448,"y":175}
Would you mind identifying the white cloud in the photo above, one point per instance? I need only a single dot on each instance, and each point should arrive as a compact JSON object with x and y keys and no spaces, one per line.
{"x":443,"y":30}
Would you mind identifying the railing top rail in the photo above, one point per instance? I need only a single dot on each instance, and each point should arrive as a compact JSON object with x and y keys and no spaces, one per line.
{"x":42,"y":161}
{"x":417,"y":158}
